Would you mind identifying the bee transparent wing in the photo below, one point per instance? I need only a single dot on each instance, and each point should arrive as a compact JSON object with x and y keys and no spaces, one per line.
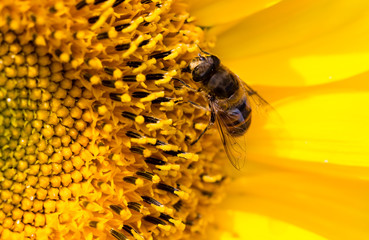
{"x":258,"y":100}
{"x":259,"y":105}
{"x":235,"y":147}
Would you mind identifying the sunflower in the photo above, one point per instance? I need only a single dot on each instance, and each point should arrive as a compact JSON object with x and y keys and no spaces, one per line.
{"x":96,"y":123}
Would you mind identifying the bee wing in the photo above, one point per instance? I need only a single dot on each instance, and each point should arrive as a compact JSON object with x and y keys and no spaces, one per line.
{"x":259,"y":105}
{"x":258,"y":100}
{"x":235,"y":147}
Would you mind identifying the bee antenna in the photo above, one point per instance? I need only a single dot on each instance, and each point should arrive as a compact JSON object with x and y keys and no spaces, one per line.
{"x":202,"y":50}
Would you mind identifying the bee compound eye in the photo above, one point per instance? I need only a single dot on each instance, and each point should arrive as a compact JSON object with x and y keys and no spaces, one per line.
{"x":196,"y":76}
{"x":216,"y":61}
{"x":202,"y":72}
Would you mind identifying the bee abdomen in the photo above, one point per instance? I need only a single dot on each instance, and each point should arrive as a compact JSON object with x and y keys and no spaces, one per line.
{"x":237,"y":117}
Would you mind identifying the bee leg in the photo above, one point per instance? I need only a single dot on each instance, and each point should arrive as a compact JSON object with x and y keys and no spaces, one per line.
{"x":196,"y":105}
{"x":185,"y":84}
{"x":211,"y":122}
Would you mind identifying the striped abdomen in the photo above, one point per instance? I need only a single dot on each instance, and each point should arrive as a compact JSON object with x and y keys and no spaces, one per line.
{"x":237,"y":117}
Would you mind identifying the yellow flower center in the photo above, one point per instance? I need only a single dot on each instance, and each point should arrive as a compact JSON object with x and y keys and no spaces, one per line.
{"x":95,"y":122}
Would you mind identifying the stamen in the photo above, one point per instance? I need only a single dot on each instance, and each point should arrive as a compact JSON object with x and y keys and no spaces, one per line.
{"x":154,"y":161}
{"x":93,"y":20}
{"x":152,"y":96}
{"x":93,"y":224}
{"x":189,"y":223}
{"x":120,"y":97}
{"x":155,"y":76}
{"x":166,"y":217}
{"x":108,"y":83}
{"x":129,"y":78}
{"x":149,"y":176}
{"x":173,"y":190}
{"x":161,"y":55}
{"x":134,"y":64}
{"x":81,"y":4}
{"x":117,"y":235}
{"x":167,"y":188}
{"x":140,"y":94}
{"x":102,"y":36}
{"x":120,"y":27}
{"x":149,"y":119}
{"x":109,"y":71}
{"x":132,"y":232}
{"x":161,"y":99}
{"x":143,"y":43}
{"x":178,"y":205}
{"x":122,"y":47}
{"x":162,"y":124}
{"x":207,"y":193}
{"x":116,"y":208}
{"x":133,"y":134}
{"x":115,"y":96}
{"x":128,"y":229}
{"x":146,"y":1}
{"x":133,"y":180}
{"x":154,"y":220}
{"x":117,"y":2}
{"x":134,"y":206}
{"x":99,"y":1}
{"x":138,"y":150}
{"x":129,"y":115}
{"x":150,"y":200}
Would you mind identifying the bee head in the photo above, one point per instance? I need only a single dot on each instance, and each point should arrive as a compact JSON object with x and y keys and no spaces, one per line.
{"x":203,"y":67}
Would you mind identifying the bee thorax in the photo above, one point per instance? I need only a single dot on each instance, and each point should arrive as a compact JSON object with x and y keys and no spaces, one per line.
{"x":222,"y":84}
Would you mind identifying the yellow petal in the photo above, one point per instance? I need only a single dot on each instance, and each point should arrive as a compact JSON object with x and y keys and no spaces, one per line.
{"x":254,"y":226}
{"x":298,"y":43}
{"x":211,"y":13}
{"x":325,"y":125}
{"x":331,"y":207}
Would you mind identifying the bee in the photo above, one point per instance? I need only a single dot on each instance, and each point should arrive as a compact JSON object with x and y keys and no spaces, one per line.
{"x":228,"y":101}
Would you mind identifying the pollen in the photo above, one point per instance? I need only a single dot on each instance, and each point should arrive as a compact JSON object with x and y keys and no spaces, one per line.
{"x":96,"y":121}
